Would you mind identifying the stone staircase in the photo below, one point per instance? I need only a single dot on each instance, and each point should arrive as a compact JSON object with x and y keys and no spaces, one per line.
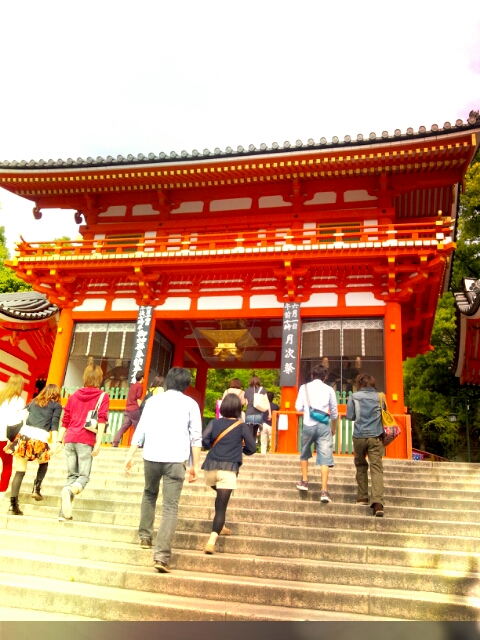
{"x":289,"y":558}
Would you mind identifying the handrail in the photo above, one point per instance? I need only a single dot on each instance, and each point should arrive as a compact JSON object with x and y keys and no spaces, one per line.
{"x":238,"y":241}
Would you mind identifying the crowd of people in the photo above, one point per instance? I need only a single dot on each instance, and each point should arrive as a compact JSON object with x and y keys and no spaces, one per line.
{"x":167,"y":426}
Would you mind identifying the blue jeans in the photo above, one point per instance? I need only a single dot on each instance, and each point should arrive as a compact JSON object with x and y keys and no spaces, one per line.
{"x":79,"y":463}
{"x":173,"y":474}
{"x":321,"y":434}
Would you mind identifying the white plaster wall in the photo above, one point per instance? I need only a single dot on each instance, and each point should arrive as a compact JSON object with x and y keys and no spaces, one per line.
{"x":14,"y":362}
{"x":212,"y":303}
{"x":363,"y":299}
{"x":93,"y":304}
{"x":265,"y":302}
{"x":321,"y":300}
{"x":175,"y":304}
{"x":124,"y":304}
{"x":111,"y":212}
{"x":144,"y":210}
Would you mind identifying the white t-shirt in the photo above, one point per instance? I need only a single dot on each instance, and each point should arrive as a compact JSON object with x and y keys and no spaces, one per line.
{"x":321,"y":397}
{"x":10,"y":414}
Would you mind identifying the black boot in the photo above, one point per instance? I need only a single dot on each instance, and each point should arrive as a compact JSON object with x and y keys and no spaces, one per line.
{"x":36,"y":491}
{"x":14,"y":508}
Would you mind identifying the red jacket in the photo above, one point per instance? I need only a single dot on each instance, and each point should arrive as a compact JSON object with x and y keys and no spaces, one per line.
{"x":75,"y":415}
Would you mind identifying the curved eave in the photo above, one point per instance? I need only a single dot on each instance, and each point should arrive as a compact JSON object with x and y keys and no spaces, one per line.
{"x":360,"y":144}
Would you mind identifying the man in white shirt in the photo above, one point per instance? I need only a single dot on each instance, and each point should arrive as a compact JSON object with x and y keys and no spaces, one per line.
{"x":317,"y":395}
{"x":169,"y":429}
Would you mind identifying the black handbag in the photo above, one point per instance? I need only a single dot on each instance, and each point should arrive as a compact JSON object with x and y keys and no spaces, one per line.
{"x":13,"y":431}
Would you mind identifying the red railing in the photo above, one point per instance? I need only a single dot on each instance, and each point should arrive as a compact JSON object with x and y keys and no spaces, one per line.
{"x":271,"y":239}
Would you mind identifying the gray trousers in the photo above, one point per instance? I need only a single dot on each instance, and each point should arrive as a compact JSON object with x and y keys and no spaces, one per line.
{"x":79,"y":463}
{"x":373,"y":447}
{"x":173,"y":474}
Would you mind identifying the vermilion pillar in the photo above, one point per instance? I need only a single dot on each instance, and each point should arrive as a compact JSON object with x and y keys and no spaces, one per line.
{"x":61,"y":348}
{"x":393,"y":358}
{"x":179,"y":353}
{"x":201,"y":381}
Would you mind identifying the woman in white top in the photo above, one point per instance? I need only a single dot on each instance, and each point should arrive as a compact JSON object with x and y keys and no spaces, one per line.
{"x":11,"y":406}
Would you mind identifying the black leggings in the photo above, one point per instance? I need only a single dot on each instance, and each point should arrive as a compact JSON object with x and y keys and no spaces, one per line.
{"x":19,"y":475}
{"x":221,"y":504}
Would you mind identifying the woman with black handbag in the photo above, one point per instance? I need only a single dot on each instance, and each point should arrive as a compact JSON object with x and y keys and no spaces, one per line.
{"x":31,"y":443}
{"x":227,"y":438}
{"x":11,"y":419}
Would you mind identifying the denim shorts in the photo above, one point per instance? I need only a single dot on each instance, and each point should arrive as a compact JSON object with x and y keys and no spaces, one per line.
{"x":321,"y":435}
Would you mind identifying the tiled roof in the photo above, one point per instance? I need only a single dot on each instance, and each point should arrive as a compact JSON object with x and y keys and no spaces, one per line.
{"x":473,"y":121}
{"x":468,"y":301}
{"x":26,"y":306}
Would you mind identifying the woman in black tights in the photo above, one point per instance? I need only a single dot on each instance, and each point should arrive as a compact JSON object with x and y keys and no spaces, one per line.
{"x":32,"y":442}
{"x":227,"y":438}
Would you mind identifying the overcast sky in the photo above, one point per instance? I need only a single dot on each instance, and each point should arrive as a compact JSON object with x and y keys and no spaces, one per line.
{"x":109,"y":77}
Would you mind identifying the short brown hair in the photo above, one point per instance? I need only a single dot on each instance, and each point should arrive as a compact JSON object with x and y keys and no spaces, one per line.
{"x":365,"y":380}
{"x":92,"y":376}
{"x":235,"y":383}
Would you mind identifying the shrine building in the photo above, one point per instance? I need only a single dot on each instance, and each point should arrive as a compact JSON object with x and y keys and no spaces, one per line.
{"x":282,"y":257}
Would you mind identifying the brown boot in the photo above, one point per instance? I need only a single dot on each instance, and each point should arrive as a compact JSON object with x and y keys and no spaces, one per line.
{"x":378,"y":510}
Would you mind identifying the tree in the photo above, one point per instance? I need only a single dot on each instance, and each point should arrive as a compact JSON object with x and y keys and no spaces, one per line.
{"x":466,"y":262}
{"x":9,"y":282}
{"x":432,"y":391}
{"x":219,"y":379}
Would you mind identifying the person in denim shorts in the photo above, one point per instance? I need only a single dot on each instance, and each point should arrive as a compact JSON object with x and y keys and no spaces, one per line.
{"x":320,"y":397}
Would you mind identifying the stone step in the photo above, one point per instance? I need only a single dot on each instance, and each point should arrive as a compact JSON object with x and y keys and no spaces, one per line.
{"x":358,"y":517}
{"x":398,"y":508}
{"x":115,"y":458}
{"x":127,"y":490}
{"x":248,"y":590}
{"x":253,"y":545}
{"x":301,"y":570}
{"x":121,"y":604}
{"x":252,"y":481}
{"x":10,"y":614}
{"x":362,"y":536}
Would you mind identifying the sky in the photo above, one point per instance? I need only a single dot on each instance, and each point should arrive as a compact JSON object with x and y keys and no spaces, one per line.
{"x":105,"y":77}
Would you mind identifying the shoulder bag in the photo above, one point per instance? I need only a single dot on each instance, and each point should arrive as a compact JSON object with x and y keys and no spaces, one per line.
{"x":224,"y":433}
{"x":390,"y":428}
{"x":91,"y":423}
{"x":261,"y":401}
{"x":316,"y":414}
{"x":14,"y":429}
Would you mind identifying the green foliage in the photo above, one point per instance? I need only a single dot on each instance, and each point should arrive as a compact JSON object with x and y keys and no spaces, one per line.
{"x":432,"y":392}
{"x":8,"y":280}
{"x":467,"y":255}
{"x":219,"y":379}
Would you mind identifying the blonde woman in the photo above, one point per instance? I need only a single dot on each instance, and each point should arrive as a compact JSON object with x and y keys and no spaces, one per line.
{"x":32,"y":442}
{"x":11,"y":406}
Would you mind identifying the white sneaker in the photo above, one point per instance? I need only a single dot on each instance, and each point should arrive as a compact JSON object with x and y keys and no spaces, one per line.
{"x":67,"y":498}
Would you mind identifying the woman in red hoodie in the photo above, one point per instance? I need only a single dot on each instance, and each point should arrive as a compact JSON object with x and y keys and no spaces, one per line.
{"x":81,"y":445}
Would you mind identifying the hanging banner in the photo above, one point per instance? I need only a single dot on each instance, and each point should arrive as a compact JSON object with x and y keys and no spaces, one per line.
{"x":140,"y":342}
{"x":290,"y":355}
